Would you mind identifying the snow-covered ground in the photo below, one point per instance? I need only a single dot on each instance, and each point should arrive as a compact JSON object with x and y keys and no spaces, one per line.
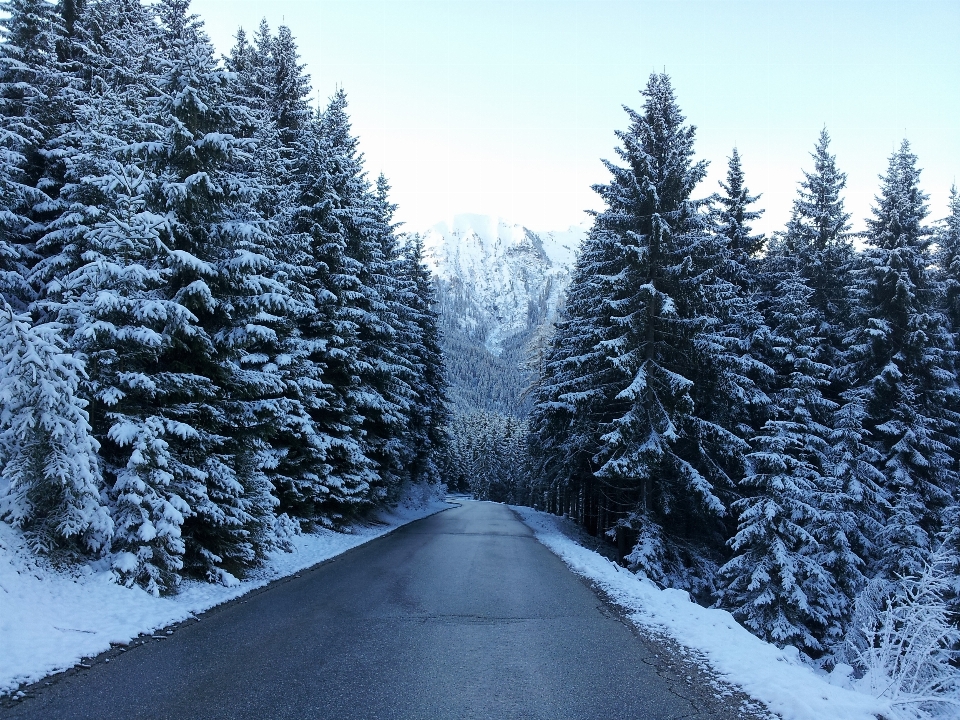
{"x":776,"y":677}
{"x":50,"y":621}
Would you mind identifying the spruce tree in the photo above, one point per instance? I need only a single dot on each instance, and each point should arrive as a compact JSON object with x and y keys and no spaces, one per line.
{"x":732,"y":214}
{"x":383,"y":396}
{"x":898,"y":363}
{"x":818,"y":236}
{"x":429,"y":412}
{"x":730,"y":388}
{"x":221,"y":276}
{"x":32,"y":82}
{"x":330,"y":476}
{"x":948,"y":260}
{"x":52,"y":483}
{"x":779,"y":582}
{"x":574,"y":396}
{"x":624,"y":360}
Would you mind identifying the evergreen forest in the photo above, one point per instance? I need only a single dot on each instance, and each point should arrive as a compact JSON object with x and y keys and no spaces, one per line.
{"x":213,"y":336}
{"x":770,"y":423}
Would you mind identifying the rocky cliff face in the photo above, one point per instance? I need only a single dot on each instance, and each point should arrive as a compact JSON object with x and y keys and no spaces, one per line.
{"x":499,"y":285}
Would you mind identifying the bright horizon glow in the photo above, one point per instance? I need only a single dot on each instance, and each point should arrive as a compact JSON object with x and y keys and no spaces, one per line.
{"x":506,"y":108}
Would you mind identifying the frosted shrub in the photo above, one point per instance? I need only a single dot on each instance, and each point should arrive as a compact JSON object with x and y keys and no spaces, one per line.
{"x":285,"y":529}
{"x":907,"y":642}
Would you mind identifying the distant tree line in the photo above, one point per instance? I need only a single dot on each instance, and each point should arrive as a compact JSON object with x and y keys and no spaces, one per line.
{"x":770,"y":423}
{"x":211,"y":333}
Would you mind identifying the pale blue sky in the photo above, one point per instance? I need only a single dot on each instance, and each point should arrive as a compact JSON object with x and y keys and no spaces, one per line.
{"x":506,"y":108}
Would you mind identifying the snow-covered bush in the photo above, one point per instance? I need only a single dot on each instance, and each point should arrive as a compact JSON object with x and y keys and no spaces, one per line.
{"x":907,"y":641}
{"x":52,"y":480}
{"x":285,"y":529}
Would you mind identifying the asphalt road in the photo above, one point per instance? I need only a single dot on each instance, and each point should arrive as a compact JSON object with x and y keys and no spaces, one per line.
{"x":460,"y":615}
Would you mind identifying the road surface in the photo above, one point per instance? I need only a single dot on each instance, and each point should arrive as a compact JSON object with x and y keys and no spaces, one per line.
{"x":461,"y":615}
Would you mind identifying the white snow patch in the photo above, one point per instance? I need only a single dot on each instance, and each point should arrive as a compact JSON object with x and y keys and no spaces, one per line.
{"x":50,"y":620}
{"x":776,"y":677}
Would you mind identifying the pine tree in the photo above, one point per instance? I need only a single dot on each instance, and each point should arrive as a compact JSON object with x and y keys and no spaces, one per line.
{"x":399,"y":352}
{"x":263,"y":64}
{"x":779,"y":582}
{"x":120,"y":320}
{"x":330,"y":476}
{"x":62,"y":75}
{"x":897,"y":363}
{"x":383,"y":396}
{"x":107,"y":290}
{"x":573,"y":396}
{"x":54,"y":486}
{"x":429,"y":413}
{"x":617,"y":402}
{"x":32,"y":81}
{"x":220,"y":275}
{"x":731,"y":216}
{"x":818,"y":236}
{"x":731,"y":392}
{"x":290,"y":89}
{"x":948,"y":260}
{"x":776,"y":586}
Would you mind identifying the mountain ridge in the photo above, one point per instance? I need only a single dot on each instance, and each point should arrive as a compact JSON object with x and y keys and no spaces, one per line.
{"x":508,"y":276}
{"x":499,"y":287}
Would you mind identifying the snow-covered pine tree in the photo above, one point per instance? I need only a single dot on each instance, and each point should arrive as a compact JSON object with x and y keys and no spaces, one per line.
{"x":948,"y":260}
{"x":818,"y":235}
{"x":69,"y":47}
{"x":31,"y":84}
{"x":732,"y":379}
{"x":732,"y":214}
{"x":290,"y":91}
{"x":221,"y":275}
{"x":109,"y":114}
{"x":429,"y":413}
{"x":330,"y":475}
{"x":779,"y":582}
{"x":120,"y":319}
{"x":112,"y":301}
{"x":624,"y":357}
{"x":263,"y":63}
{"x":51,"y":483}
{"x":277,"y":107}
{"x":383,"y":396}
{"x":64,"y":87}
{"x":898,"y":367}
{"x":575,"y":395}
{"x":486,"y":454}
{"x":400,"y":352}
{"x":240,"y":62}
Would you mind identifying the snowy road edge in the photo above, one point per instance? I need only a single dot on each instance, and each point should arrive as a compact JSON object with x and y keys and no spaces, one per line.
{"x":775,"y":677}
{"x":32,"y":631}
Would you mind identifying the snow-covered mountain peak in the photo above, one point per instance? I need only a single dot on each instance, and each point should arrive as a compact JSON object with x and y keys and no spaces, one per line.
{"x":505,"y":276}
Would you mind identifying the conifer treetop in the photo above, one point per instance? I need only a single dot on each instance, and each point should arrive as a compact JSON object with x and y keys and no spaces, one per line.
{"x":658,"y":150}
{"x":901,"y":207}
{"x":734,"y":212}
{"x":818,"y":217}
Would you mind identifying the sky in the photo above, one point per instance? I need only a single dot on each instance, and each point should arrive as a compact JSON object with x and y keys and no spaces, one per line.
{"x":507,"y":108}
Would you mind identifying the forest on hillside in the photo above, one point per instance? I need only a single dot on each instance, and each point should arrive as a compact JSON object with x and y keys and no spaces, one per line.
{"x":211,"y":334}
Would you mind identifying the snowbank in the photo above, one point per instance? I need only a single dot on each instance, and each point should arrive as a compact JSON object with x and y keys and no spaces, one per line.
{"x":50,"y":621}
{"x":776,"y":677}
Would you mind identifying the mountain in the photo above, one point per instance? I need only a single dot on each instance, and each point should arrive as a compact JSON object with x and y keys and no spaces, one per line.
{"x":499,"y":288}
